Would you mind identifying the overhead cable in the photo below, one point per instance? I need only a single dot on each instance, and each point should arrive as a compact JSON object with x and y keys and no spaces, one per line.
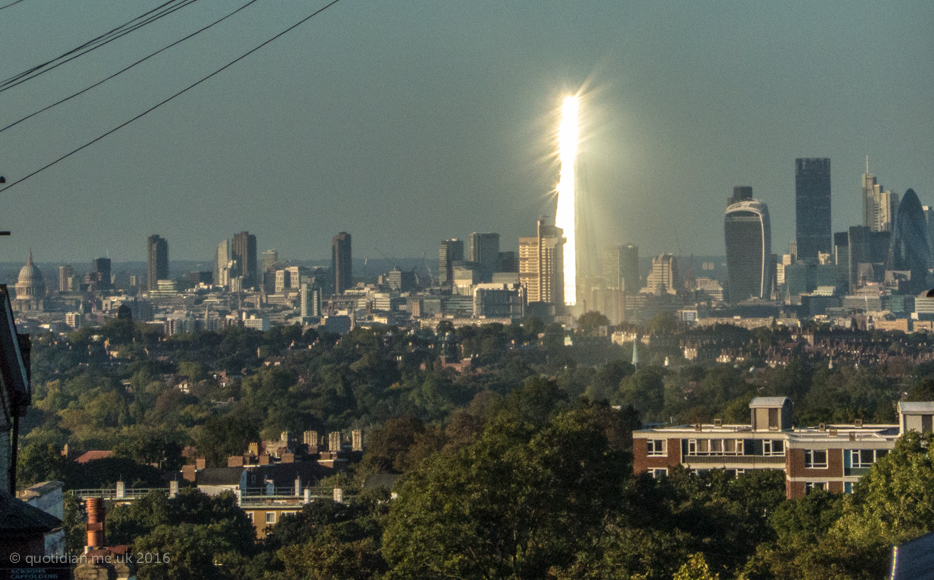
{"x":181,"y":92}
{"x":123,"y":70}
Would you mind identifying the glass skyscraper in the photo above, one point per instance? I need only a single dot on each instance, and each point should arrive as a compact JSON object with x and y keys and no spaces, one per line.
{"x":910,"y":250}
{"x":812,"y":207}
{"x":748,"y":237}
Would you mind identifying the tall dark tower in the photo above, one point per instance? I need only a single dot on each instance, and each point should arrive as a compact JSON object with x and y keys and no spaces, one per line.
{"x":812,"y":207}
{"x":244,"y":252}
{"x":100,"y":274}
{"x":483,"y":249}
{"x":451,"y":251}
{"x":340,"y":262}
{"x":157,"y":256}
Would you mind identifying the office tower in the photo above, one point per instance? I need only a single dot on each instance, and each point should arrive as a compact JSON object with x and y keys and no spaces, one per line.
{"x":867,"y":254}
{"x":748,"y":236}
{"x":484,"y":250}
{"x":66,"y":275}
{"x":664,"y":278}
{"x":221,"y":259}
{"x":100,"y":274}
{"x":508,"y":262}
{"x":621,"y":267}
{"x":270,"y":257}
{"x":740,"y":193}
{"x":157,"y":261}
{"x":910,"y":249}
{"x":541,"y":265}
{"x":812,"y":207}
{"x":929,"y":220}
{"x":340,"y":262}
{"x":451,"y":251}
{"x":878,"y":206}
{"x":243,"y":251}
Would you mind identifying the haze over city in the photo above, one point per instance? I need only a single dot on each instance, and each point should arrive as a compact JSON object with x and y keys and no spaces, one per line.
{"x":409,"y":124}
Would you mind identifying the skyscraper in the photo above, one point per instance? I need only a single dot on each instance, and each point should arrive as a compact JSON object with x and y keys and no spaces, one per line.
{"x":451,"y":251}
{"x":221,"y":259}
{"x":66,"y":278}
{"x":483,"y":249}
{"x":100,"y":274}
{"x":541,"y":265}
{"x":270,"y":257}
{"x":878,"y":206}
{"x":621,"y":267}
{"x":748,"y":236}
{"x":740,"y":193}
{"x":157,"y":264}
{"x":340,"y":262}
{"x":244,"y":252}
{"x":812,"y":207}
{"x":664,"y":278}
{"x":910,"y":249}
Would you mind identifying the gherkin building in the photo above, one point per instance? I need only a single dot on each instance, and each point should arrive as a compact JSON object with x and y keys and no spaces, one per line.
{"x":910,"y":250}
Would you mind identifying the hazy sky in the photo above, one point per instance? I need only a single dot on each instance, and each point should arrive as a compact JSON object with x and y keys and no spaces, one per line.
{"x":408,"y":122}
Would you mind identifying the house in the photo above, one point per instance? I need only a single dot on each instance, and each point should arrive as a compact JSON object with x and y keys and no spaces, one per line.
{"x":830,"y":457}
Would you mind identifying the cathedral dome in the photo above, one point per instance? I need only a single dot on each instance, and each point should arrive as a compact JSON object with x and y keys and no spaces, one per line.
{"x":31,"y":283}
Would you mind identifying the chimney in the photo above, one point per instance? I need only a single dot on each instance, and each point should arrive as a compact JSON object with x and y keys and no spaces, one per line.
{"x":96,"y":512}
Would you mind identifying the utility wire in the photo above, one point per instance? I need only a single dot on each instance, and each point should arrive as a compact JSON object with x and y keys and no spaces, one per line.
{"x":10,"y":4}
{"x":104,"y":39}
{"x":97,"y":84}
{"x":181,"y":92}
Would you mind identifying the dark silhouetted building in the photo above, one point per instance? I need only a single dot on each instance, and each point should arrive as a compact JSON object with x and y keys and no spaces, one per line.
{"x":910,"y":250}
{"x":748,"y":236}
{"x":100,"y":277}
{"x":812,"y":207}
{"x":869,"y":249}
{"x":157,"y":261}
{"x":483,"y":249}
{"x":740,"y":193}
{"x":451,"y":251}
{"x":621,"y":267}
{"x":340,"y":262}
{"x":243,"y":251}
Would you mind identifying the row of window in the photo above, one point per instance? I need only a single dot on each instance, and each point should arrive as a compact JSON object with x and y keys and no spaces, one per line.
{"x":270,"y":516}
{"x":812,"y":485}
{"x":659,"y":447}
{"x":813,"y":458}
{"x":855,"y":458}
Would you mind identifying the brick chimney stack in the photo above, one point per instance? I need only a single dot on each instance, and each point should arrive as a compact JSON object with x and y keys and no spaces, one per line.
{"x":96,"y":512}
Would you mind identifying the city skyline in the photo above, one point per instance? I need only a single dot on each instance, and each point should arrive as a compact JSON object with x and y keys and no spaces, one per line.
{"x":366,"y":120}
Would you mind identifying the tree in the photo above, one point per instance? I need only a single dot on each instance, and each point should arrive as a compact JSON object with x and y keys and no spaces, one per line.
{"x":590,"y":321}
{"x":696,"y":569}
{"x":520,"y":501}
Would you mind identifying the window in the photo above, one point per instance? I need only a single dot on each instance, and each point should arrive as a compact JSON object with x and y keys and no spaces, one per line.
{"x":270,"y":517}
{"x":715,"y":447}
{"x":773,"y":447}
{"x":848,"y":487}
{"x":658,"y":472}
{"x":812,"y":485}
{"x":815,"y":458}
{"x":249,"y":516}
{"x":864,"y":458}
{"x":773,"y":419}
{"x":657,"y":446}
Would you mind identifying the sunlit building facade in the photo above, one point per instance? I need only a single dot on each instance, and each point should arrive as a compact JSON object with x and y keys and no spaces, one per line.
{"x":541,"y":265}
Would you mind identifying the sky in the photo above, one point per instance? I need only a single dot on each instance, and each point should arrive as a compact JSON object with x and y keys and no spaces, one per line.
{"x":405,"y":123}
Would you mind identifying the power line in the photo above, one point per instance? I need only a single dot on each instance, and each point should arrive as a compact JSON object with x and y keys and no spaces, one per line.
{"x":93,"y":44}
{"x":10,"y":4}
{"x":81,"y":92}
{"x":185,"y":90}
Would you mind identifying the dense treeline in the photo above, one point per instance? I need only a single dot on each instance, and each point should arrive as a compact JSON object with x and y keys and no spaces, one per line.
{"x":518,"y":467}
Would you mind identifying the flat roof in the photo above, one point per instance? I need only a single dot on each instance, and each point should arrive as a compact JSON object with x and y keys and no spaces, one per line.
{"x":760,"y":402}
{"x":916,"y":407}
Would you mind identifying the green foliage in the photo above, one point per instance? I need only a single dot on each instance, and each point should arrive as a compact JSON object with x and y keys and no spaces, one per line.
{"x":590,"y":321}
{"x":516,"y":503}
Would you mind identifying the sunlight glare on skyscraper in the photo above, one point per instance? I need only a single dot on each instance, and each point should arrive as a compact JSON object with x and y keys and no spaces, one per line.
{"x":565,"y":215}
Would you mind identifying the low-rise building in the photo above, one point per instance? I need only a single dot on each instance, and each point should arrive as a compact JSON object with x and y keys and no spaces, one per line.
{"x":831,"y":457}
